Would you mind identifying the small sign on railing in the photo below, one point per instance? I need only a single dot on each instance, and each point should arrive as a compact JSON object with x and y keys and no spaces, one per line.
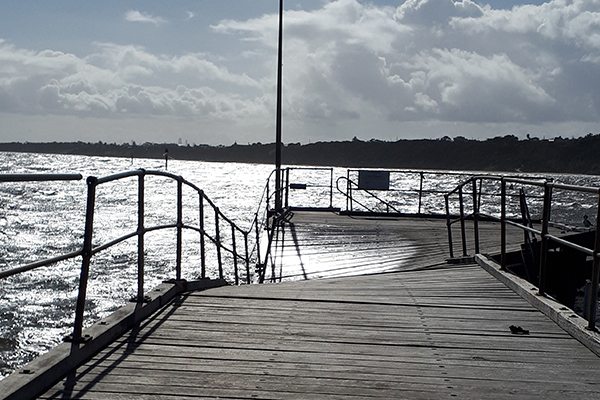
{"x":373,"y":180}
{"x":298,"y":186}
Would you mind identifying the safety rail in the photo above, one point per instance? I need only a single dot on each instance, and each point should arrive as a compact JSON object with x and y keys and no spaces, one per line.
{"x":39,"y":177}
{"x":547,"y":189}
{"x":309,"y":183}
{"x":350,"y":200}
{"x":88,"y":250}
{"x":410,"y":192}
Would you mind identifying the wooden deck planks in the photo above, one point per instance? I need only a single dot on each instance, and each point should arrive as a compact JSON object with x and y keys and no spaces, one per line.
{"x":324,"y":339}
{"x":322,"y":244}
{"x":427,"y":331}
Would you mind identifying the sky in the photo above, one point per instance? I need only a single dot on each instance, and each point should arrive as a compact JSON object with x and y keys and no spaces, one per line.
{"x":204,"y":71}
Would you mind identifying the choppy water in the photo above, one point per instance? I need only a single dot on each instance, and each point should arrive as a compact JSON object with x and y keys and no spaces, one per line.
{"x":44,"y":219}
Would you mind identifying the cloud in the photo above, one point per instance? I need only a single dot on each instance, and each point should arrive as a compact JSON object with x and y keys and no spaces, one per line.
{"x":439,"y":60}
{"x":346,"y":65}
{"x":137,"y":16}
{"x":119,"y":80}
{"x":190,"y":14}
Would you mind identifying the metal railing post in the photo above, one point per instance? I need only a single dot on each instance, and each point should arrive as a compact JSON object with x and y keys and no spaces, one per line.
{"x":544,"y":234}
{"x":449,"y":225}
{"x":202,"y":244}
{"x":331,"y":190}
{"x":475,"y":216}
{"x":462,"y":221}
{"x":420,"y":192}
{"x":258,"y":261}
{"x":503,"y":224}
{"x":247,"y":258}
{"x":348,"y":192}
{"x":593,"y":298}
{"x":140,"y":233}
{"x":235,"y":255}
{"x":179,"y":227}
{"x":268,"y":195}
{"x":287,"y":186}
{"x":218,"y":243}
{"x":86,"y":257}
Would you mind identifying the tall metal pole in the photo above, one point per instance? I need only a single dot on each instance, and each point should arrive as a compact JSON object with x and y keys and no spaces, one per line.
{"x":278,"y":123}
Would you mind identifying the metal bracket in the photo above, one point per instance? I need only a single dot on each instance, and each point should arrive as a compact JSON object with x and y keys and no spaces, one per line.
{"x":83,"y":339}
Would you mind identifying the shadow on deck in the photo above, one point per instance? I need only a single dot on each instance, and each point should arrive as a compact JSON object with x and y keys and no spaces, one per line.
{"x":320,"y":244}
{"x":411,"y":326}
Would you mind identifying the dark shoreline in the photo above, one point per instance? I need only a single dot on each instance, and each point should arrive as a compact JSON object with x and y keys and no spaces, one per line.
{"x":508,"y":153}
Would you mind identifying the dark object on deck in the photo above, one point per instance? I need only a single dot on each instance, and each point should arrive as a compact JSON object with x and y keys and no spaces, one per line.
{"x":517,"y":330}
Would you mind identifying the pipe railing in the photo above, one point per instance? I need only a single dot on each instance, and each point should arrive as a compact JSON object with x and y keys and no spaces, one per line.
{"x":350,"y":200}
{"x":308,"y":184}
{"x":421,"y":187}
{"x":39,"y":177}
{"x":88,"y":250}
{"x":549,"y":188}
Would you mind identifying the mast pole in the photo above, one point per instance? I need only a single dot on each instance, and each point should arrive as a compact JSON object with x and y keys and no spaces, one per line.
{"x":278,"y":188}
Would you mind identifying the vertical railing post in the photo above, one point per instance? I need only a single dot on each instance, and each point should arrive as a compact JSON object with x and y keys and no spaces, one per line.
{"x":140,"y":233}
{"x":179,"y":227}
{"x":235,"y":255}
{"x":86,"y":255}
{"x":502,"y":224}
{"x":462,"y":221}
{"x":348,"y":192}
{"x":544,"y":245}
{"x":287,"y":186}
{"x":331,"y":189}
{"x":257,"y":228}
{"x":268,"y":194}
{"x":420,"y":192}
{"x":449,"y":225}
{"x":248,"y":281}
{"x":218,"y":242}
{"x":202,"y":244}
{"x":475,"y":216}
{"x":593,"y":298}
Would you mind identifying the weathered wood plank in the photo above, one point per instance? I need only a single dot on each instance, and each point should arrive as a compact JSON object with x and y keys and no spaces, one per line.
{"x":426,"y":331}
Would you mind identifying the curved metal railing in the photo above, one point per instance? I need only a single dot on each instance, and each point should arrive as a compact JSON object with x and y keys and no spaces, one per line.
{"x":88,"y":250}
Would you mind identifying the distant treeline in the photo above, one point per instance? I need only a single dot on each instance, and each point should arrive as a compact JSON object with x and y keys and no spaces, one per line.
{"x":508,"y":153}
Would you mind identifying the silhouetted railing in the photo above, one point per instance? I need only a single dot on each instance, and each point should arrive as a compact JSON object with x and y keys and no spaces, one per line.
{"x":473,"y":188}
{"x":240,"y":252}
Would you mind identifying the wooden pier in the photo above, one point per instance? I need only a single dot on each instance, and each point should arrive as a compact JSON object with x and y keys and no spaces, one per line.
{"x":417,"y":328}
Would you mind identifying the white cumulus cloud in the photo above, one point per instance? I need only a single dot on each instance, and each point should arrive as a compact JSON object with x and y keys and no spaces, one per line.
{"x":137,"y":16}
{"x":347,"y":63}
{"x":120,"y":79}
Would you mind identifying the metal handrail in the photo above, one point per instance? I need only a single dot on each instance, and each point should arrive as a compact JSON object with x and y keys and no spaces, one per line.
{"x":348,"y":195}
{"x":39,"y":177}
{"x":421,"y":192}
{"x":546,"y":237}
{"x":88,"y":251}
{"x":288,"y":184}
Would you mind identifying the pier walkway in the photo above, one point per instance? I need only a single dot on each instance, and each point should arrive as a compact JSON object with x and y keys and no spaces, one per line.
{"x":418,"y":328}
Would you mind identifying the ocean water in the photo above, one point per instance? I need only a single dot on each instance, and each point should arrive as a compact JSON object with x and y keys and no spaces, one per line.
{"x":44,"y":219}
